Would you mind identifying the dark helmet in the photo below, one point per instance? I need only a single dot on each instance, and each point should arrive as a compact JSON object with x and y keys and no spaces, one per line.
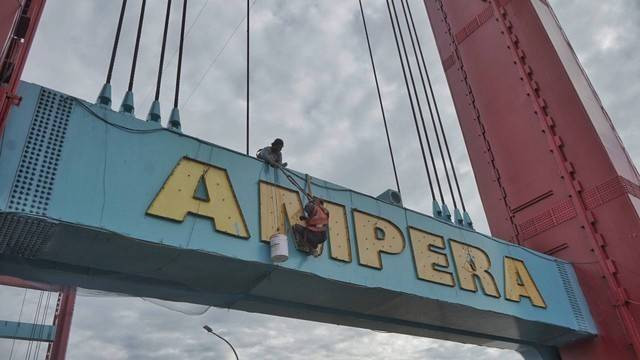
{"x":277,"y":143}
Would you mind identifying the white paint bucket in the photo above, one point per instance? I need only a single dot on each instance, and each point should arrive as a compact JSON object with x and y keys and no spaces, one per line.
{"x":279,"y":248}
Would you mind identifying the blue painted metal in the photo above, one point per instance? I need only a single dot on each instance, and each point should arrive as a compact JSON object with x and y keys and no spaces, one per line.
{"x":94,"y":233}
{"x":128,"y":106}
{"x":154,"y":112}
{"x":104,"y":98}
{"x":26,"y":331}
{"x":174,"y":120}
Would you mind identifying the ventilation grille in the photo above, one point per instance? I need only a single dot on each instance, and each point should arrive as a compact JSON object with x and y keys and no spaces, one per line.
{"x":31,"y":191}
{"x":23,"y":236}
{"x":578,"y":314}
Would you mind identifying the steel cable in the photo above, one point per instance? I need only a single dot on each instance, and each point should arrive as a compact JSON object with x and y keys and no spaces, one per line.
{"x":413,"y":110}
{"x":164,"y":44}
{"x":435,"y":106}
{"x":248,"y":47}
{"x":137,"y":45}
{"x":180,"y":52}
{"x":116,"y":41}
{"x":415,"y":92}
{"x":426,"y":94}
{"x":375,"y":76}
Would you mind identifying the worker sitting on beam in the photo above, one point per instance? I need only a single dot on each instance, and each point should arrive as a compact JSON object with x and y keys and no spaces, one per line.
{"x":273,"y":154}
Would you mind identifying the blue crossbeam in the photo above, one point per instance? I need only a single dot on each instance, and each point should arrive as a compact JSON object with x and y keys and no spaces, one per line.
{"x":26,"y":331}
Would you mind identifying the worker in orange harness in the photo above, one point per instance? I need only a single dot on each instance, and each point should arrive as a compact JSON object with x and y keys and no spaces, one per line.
{"x":314,"y":232}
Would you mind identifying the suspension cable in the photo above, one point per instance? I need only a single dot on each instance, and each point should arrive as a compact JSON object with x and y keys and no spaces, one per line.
{"x":137,"y":46}
{"x":375,"y":76}
{"x":13,"y":343}
{"x":180,"y":52}
{"x":33,"y":328}
{"x":164,"y":43}
{"x":41,"y":324}
{"x":116,"y":41}
{"x":248,"y":47}
{"x":413,"y":110}
{"x":415,"y":92}
{"x":426,"y":94}
{"x":435,"y":105}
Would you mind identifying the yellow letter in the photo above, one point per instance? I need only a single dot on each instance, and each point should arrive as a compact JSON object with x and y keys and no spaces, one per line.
{"x":180,"y":195}
{"x":425,"y":257}
{"x":375,"y":235}
{"x":518,"y":283}
{"x":471,"y":263}
{"x":339,"y":243}
{"x":279,"y":203}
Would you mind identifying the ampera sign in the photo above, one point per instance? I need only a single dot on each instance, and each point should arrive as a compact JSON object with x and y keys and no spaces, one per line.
{"x":205,"y":190}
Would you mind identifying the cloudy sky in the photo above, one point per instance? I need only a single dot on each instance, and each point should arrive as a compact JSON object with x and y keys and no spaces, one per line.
{"x":311,"y":80}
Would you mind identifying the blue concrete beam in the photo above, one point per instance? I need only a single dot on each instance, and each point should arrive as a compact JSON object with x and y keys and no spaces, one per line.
{"x":26,"y":331}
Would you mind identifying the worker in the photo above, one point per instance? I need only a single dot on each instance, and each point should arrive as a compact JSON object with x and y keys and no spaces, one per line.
{"x":314,"y":232}
{"x":272,"y":154}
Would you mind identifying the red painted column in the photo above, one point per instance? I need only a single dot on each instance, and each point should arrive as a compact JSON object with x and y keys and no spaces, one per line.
{"x":552,"y":172}
{"x":62,"y":320}
{"x":18,"y":23}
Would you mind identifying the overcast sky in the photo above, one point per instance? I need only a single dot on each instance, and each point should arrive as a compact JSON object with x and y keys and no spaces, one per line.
{"x":311,"y":80}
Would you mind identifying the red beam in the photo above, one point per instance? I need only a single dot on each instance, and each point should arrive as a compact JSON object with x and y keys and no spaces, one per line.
{"x":62,"y":320}
{"x":17,"y":30}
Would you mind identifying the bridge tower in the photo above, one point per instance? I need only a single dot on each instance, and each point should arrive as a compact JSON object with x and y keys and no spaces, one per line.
{"x":552,"y":172}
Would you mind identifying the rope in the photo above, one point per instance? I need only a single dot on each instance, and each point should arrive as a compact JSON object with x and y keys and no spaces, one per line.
{"x":375,"y":76}
{"x":415,"y":92}
{"x":413,"y":110}
{"x":426,"y":94}
{"x":295,"y":183}
{"x":115,"y":42}
{"x":137,"y":46}
{"x":180,"y":52}
{"x":164,"y":43}
{"x":435,"y":106}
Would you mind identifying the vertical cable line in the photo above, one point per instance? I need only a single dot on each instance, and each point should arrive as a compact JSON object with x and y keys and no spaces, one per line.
{"x":413,"y":110}
{"x":137,"y":46}
{"x":154,"y":111}
{"x":180,"y":52}
{"x":116,"y":41}
{"x":104,"y":98}
{"x":248,"y":8}
{"x":174,"y":118}
{"x":375,"y":76}
{"x":415,"y":92}
{"x":13,"y":343}
{"x":128,"y":103}
{"x":164,"y":43}
{"x":33,"y":328}
{"x":426,"y":94}
{"x":435,"y":105}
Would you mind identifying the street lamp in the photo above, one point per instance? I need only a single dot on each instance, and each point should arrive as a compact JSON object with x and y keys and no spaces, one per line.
{"x":209,"y":330}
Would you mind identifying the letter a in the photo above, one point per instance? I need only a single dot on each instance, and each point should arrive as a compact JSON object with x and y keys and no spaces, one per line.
{"x":200,"y":189}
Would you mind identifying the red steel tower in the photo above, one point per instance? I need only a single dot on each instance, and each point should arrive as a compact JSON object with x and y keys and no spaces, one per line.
{"x":552,"y":172}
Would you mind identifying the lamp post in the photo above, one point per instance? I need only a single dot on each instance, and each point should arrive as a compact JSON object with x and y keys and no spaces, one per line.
{"x":209,"y":330}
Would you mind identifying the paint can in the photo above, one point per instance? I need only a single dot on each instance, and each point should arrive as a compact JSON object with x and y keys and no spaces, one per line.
{"x":279,"y":248}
